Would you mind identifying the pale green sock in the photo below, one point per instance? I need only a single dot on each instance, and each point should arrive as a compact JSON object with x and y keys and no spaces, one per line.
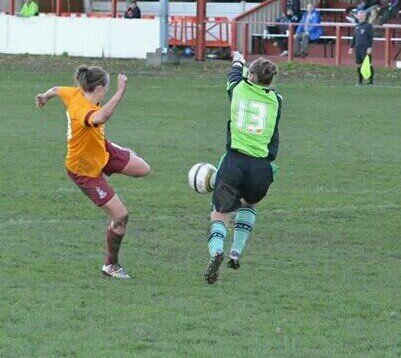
{"x":243,"y":225}
{"x":218,"y":232}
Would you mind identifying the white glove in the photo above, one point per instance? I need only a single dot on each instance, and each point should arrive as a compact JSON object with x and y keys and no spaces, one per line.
{"x":238,"y":57}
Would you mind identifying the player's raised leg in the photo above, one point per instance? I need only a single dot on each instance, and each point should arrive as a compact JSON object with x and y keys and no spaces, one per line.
{"x":118,"y":215}
{"x":136,"y":167}
{"x":124,"y":161}
{"x":243,"y":226}
{"x":259,"y":179}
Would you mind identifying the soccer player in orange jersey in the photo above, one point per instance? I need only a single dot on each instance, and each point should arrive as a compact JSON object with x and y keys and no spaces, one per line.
{"x":90,"y":157}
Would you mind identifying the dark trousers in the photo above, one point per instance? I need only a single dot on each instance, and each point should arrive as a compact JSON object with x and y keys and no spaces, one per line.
{"x":301,"y":43}
{"x":282,"y":44}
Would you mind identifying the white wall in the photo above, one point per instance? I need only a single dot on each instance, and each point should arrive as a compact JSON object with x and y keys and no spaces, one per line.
{"x":229,"y":10}
{"x":86,"y":37}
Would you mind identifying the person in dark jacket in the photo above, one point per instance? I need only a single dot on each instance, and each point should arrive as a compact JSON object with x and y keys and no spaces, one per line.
{"x":361,"y":44}
{"x":133,"y":12}
{"x":295,"y":7}
{"x":284,"y":20}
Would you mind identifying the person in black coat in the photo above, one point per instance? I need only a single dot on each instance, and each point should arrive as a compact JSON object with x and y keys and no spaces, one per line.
{"x":361,"y":43}
{"x":133,"y":12}
{"x":295,"y":7}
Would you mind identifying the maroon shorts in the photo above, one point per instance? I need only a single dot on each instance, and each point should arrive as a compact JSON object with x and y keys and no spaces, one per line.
{"x":98,"y":189}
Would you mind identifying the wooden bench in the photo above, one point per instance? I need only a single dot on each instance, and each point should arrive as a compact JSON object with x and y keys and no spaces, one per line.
{"x":260,"y":42}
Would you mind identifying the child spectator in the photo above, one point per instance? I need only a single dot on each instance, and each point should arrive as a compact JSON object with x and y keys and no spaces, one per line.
{"x":30,"y":8}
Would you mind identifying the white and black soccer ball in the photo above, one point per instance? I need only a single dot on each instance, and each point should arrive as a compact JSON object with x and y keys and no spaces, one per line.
{"x":201,"y":177}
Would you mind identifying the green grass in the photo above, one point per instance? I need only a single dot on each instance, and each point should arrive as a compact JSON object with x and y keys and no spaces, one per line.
{"x":321,"y":275}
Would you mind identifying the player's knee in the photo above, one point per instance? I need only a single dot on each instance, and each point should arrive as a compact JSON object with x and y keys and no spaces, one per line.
{"x":142,"y":170}
{"x":124,"y":218}
{"x":217,"y":216}
{"x":120,"y":222}
{"x":145,"y":170}
{"x":246,"y":205}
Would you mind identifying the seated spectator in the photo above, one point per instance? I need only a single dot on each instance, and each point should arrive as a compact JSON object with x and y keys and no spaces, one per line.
{"x":29,"y":9}
{"x":129,"y":14}
{"x":390,"y":11}
{"x":371,"y":8}
{"x":295,"y":7}
{"x":351,"y":13}
{"x":133,"y":12}
{"x":308,"y":30}
{"x":285,"y":19}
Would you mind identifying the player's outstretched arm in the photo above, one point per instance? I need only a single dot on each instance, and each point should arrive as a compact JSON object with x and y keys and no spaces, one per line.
{"x":235,"y":74}
{"x":42,"y":98}
{"x":106,"y":112}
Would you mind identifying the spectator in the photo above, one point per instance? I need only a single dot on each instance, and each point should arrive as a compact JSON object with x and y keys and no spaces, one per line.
{"x":295,"y":7}
{"x":133,"y":12}
{"x":308,"y":30}
{"x":371,"y":7}
{"x":129,"y":14}
{"x":30,"y":8}
{"x":362,"y":42}
{"x":285,"y":19}
{"x":391,"y":10}
{"x":352,"y":13}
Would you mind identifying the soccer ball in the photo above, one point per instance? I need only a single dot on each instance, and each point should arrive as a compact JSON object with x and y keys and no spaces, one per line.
{"x":201,"y":177}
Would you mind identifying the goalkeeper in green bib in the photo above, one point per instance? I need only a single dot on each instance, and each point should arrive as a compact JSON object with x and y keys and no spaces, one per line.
{"x":246,"y":170}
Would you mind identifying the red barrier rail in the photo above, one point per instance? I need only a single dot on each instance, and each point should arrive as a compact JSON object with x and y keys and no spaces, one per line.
{"x":12,"y":7}
{"x":385,"y":40}
{"x":183,"y":31}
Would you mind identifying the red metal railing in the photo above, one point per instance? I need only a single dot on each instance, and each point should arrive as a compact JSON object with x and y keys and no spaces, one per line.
{"x":12,"y":7}
{"x":386,"y":39}
{"x":182,"y":31}
{"x":267,"y":11}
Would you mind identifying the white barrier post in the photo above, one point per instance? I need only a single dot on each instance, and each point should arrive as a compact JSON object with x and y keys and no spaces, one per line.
{"x":164,"y":25}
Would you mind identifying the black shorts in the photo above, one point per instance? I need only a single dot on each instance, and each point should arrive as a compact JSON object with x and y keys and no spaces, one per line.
{"x":241,"y":176}
{"x":360,"y":54}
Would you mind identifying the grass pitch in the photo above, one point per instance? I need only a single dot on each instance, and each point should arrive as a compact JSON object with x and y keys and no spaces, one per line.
{"x":321,"y":275}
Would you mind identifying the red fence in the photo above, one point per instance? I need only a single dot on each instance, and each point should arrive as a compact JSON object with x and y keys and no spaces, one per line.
{"x":336,"y":40}
{"x":183,"y":31}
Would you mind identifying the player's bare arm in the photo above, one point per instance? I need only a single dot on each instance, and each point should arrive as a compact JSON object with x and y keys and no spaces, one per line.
{"x":106,"y":112}
{"x":43,"y":98}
